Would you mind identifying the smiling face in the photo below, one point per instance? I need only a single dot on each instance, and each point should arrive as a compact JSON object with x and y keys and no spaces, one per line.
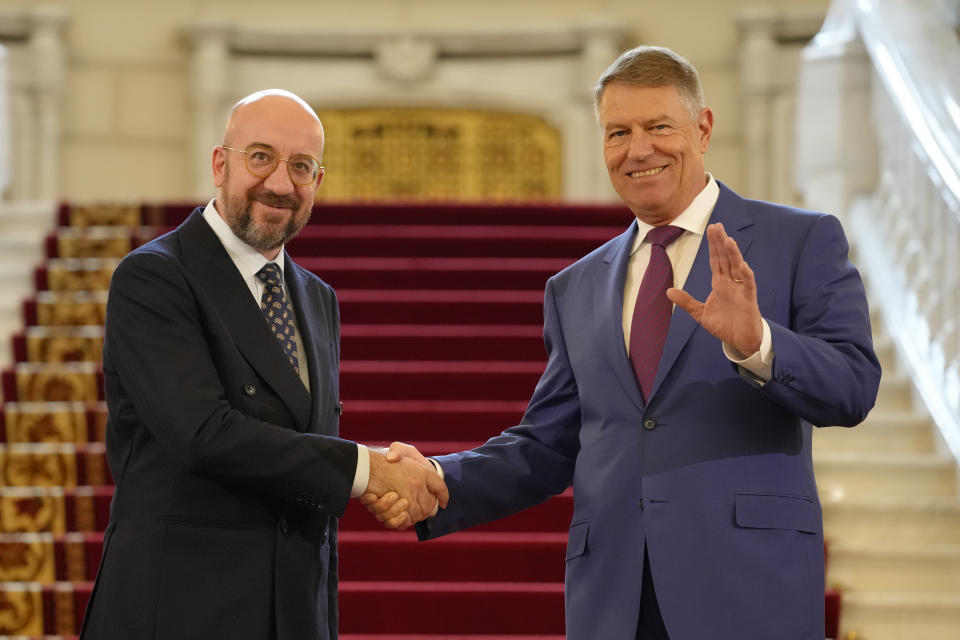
{"x":653,"y":149}
{"x":266,"y":212}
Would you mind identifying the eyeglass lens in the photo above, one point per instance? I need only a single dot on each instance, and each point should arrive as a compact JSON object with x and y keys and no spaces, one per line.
{"x":262,"y":161}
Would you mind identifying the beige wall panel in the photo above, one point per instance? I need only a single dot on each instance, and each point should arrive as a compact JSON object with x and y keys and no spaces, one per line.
{"x":721,"y":90}
{"x":126,"y":31}
{"x":724,"y":161}
{"x":121,"y":172}
{"x":92,"y":102}
{"x":152,"y":104}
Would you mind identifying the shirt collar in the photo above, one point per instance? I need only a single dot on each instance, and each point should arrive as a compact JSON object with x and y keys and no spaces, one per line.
{"x":248,"y":260}
{"x":694,"y":217}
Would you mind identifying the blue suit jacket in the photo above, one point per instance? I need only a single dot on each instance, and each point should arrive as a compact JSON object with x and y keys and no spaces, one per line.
{"x":714,"y":473}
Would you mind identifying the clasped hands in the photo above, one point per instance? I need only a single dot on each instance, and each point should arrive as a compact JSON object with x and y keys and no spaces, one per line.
{"x":404,"y":487}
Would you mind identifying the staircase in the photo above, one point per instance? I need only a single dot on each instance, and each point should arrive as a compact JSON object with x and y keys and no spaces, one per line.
{"x":441,"y":347}
{"x":891,"y":516}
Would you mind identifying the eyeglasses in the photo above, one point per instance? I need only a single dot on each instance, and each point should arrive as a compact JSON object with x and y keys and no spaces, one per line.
{"x":262,"y":162}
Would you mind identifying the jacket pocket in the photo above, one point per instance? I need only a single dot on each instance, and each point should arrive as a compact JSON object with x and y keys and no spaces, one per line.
{"x":777,"y":511}
{"x":577,"y":540}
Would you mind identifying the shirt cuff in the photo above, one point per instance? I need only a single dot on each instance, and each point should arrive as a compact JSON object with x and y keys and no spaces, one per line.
{"x":362,"y":476}
{"x":436,"y":465}
{"x":757,"y":366}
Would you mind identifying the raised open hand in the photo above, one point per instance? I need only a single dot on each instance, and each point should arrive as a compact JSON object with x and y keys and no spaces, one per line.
{"x":730,"y":312}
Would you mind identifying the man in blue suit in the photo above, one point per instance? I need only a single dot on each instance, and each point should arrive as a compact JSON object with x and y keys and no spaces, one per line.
{"x":686,"y":439}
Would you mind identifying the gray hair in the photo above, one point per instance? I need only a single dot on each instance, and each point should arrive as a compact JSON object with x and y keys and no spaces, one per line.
{"x":646,"y":66}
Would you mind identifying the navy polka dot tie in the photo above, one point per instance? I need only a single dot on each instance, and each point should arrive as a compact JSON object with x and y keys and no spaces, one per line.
{"x":277,"y":311}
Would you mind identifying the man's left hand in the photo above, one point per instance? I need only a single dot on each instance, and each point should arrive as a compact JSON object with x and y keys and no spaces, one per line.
{"x":730,"y":312}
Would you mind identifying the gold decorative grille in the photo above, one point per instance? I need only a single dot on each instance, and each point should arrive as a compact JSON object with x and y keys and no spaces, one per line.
{"x":459,"y":155}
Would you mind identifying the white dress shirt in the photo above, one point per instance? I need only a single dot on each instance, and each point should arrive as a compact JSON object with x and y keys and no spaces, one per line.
{"x":248,"y":262}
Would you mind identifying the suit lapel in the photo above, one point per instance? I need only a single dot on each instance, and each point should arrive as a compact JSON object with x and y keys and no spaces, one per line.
{"x":211,"y":266}
{"x":731,"y":211}
{"x":314,"y":336}
{"x":608,"y":311}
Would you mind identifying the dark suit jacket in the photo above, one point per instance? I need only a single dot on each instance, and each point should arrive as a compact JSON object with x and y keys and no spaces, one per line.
{"x":228,"y":472}
{"x":714,"y":473}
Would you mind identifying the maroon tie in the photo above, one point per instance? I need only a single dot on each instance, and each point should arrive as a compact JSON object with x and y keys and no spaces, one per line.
{"x":651,"y":315}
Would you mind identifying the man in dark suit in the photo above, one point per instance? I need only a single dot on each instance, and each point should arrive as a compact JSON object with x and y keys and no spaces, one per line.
{"x":221,"y":361}
{"x":685,"y":434}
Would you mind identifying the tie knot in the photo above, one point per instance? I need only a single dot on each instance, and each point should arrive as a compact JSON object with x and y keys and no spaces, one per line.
{"x":664,"y":235}
{"x":269,"y":274}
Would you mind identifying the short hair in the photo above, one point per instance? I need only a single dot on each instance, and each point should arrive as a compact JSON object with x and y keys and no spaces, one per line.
{"x":647,"y":66}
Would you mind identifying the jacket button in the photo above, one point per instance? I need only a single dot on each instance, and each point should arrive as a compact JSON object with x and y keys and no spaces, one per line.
{"x":339,"y":408}
{"x":649,"y":424}
{"x":249,"y":389}
{"x":284,"y":526}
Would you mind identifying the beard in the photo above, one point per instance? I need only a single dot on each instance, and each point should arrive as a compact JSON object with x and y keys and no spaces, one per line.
{"x":263,"y":235}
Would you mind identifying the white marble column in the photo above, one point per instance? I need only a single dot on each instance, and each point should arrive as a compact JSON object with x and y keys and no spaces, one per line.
{"x":836,"y":152}
{"x":6,"y":148}
{"x":209,"y":97}
{"x":49,"y":74}
{"x":585,"y":176}
{"x":758,"y":59}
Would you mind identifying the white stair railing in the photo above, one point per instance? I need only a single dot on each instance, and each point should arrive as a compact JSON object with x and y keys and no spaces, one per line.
{"x":879,"y":143}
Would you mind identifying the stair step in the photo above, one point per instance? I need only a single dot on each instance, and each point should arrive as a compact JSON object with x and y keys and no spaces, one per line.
{"x":75,"y":274}
{"x":439,"y":307}
{"x":438,"y":380}
{"x":896,"y":392}
{"x":59,"y":344}
{"x":58,"y":382}
{"x":885,"y":349}
{"x":553,"y":515}
{"x":28,"y":214}
{"x":47,"y":558}
{"x":467,"y":556}
{"x":43,"y":609}
{"x":442,"y":342}
{"x":54,"y":509}
{"x":916,"y":519}
{"x":53,"y":465}
{"x":500,"y":241}
{"x":896,"y":616}
{"x":884,"y":430}
{"x":855,"y":474}
{"x":452,"y":607}
{"x":404,"y":273}
{"x":65,"y":308}
{"x":66,"y":422}
{"x":370,"y":421}
{"x":895,"y":567}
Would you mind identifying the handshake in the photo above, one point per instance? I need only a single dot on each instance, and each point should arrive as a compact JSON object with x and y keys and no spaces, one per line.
{"x":404,"y":487}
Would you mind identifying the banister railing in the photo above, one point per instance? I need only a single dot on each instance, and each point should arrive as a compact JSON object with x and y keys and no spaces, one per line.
{"x":894,"y":174}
